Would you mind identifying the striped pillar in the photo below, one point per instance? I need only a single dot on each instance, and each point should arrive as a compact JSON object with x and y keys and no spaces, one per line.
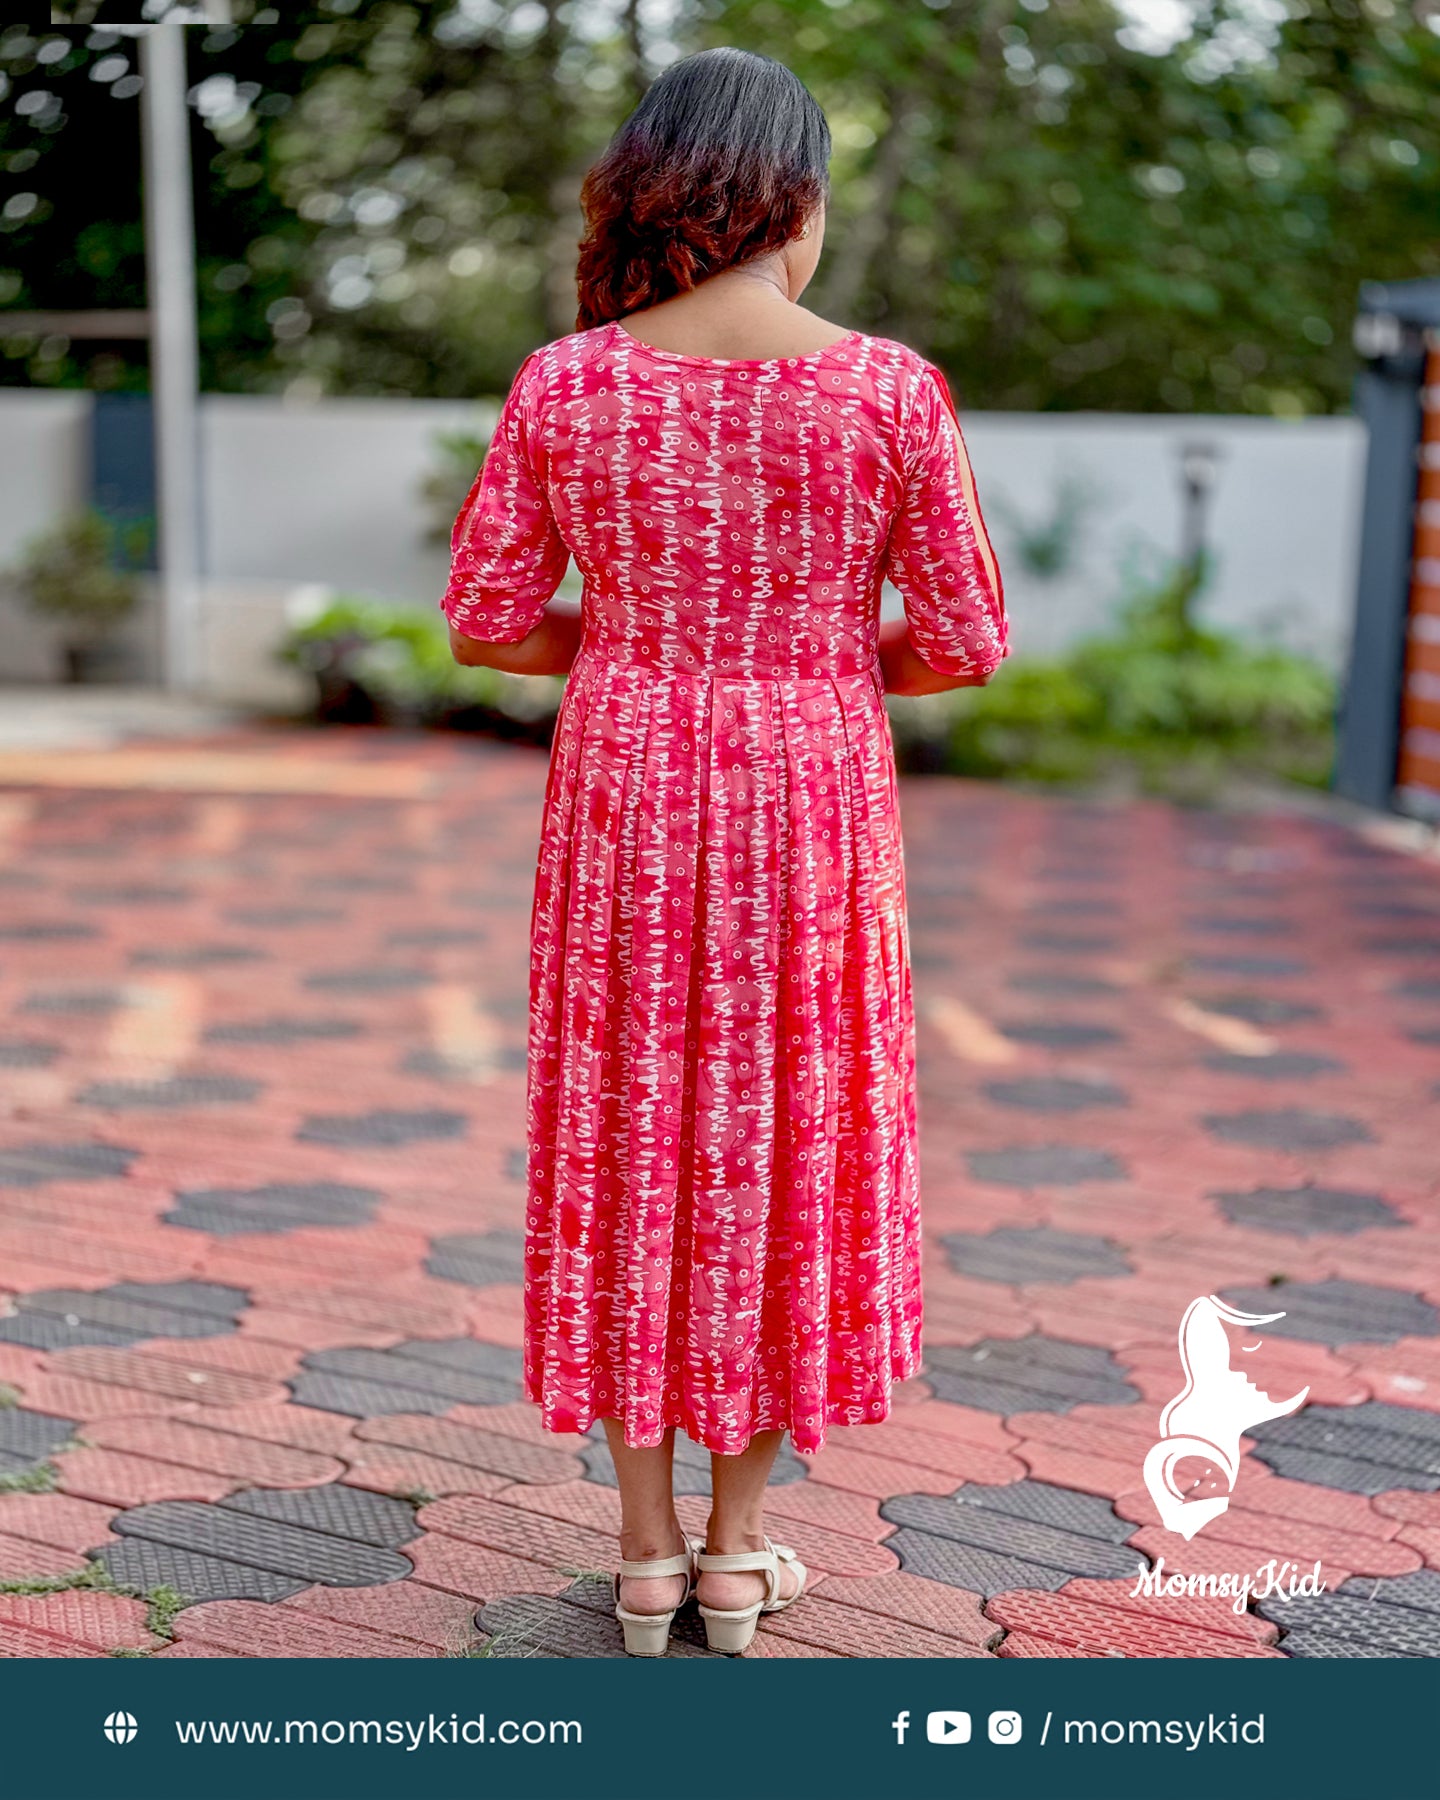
{"x":1418,"y":774}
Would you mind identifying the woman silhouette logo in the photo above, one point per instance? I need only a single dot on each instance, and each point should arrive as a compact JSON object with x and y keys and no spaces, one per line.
{"x":1209,"y":1416}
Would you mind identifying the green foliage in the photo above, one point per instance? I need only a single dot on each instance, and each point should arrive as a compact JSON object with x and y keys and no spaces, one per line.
{"x":397,"y":662}
{"x":1175,"y":706}
{"x":1049,"y":545}
{"x":1054,"y":206}
{"x":443,"y":490}
{"x":39,"y":1478}
{"x":69,"y":573}
{"x":162,"y":1603}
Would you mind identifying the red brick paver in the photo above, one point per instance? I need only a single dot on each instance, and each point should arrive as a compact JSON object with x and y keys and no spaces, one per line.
{"x":418,"y":852}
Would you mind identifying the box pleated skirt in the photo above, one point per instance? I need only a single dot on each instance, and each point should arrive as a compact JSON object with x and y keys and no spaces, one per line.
{"x":722,"y":1223}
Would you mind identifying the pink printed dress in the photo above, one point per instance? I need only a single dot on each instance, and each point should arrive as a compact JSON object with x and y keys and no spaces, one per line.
{"x":723,"y":1221}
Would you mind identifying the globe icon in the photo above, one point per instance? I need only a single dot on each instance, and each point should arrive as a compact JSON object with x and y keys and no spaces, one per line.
{"x":120,"y":1727}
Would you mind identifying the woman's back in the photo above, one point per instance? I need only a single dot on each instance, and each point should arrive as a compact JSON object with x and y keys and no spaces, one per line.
{"x":732,"y":516}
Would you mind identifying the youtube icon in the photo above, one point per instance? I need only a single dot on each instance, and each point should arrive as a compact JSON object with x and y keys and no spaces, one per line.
{"x":948,"y":1727}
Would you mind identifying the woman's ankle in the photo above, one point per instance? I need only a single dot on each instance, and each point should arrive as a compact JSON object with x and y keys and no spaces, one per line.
{"x":651,"y":1542}
{"x":725,"y":1539}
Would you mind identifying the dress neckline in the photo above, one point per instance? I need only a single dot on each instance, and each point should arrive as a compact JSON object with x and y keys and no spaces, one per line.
{"x":735,"y":362}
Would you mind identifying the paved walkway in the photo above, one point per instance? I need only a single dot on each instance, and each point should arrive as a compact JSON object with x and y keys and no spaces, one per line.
{"x":262,"y":1026}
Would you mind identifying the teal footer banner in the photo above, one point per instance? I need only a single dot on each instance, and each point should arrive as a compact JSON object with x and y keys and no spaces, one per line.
{"x":128,"y":1729}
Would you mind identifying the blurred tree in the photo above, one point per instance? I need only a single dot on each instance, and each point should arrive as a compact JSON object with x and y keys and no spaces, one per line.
{"x":1061,"y":207}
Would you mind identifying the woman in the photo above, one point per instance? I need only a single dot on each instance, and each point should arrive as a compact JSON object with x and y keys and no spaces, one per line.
{"x":723,"y":1213}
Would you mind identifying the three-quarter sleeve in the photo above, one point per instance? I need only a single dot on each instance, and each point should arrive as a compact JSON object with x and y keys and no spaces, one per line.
{"x":506,"y":555}
{"x":939,"y":554}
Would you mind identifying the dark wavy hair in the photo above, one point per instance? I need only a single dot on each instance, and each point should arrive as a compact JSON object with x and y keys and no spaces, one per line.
{"x":721,"y":161}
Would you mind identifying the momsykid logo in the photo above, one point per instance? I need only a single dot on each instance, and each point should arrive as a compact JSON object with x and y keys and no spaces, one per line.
{"x":120,"y":1727}
{"x":1210,"y":1414}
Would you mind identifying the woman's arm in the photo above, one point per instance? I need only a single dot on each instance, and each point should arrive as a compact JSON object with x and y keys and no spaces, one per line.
{"x":905,"y":672}
{"x":550,"y":648}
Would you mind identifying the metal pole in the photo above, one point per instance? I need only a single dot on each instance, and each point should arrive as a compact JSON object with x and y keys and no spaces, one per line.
{"x":174,"y":373}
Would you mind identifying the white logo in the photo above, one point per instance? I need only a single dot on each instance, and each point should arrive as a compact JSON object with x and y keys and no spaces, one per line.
{"x":120,"y":1727}
{"x":1005,"y":1727}
{"x":948,"y":1728}
{"x":1210,"y":1414}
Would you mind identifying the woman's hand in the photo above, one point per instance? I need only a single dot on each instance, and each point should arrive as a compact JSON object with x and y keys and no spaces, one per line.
{"x":905,"y":672}
{"x":550,"y":649}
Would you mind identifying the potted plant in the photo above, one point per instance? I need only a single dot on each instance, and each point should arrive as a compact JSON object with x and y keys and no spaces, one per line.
{"x":72,"y":573}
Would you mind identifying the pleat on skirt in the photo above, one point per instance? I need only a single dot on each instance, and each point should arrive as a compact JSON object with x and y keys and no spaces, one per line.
{"x":722,"y":1229}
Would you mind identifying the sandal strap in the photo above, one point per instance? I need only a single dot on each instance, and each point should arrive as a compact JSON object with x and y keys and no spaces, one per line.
{"x":742,"y":1562}
{"x":664,"y":1565}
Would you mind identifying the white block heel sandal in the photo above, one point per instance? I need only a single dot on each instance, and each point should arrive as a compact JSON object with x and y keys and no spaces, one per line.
{"x":732,"y":1632}
{"x":648,"y":1634}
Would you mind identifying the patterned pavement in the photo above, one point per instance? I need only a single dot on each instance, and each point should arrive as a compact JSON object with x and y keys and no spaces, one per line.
{"x":263,"y":1003}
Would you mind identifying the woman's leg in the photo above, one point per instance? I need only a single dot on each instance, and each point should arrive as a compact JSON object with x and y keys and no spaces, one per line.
{"x":737,"y":1523}
{"x":648,"y":1526}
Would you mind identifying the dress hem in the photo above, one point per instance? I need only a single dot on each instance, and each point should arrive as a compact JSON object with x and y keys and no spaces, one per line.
{"x":840,"y":1414}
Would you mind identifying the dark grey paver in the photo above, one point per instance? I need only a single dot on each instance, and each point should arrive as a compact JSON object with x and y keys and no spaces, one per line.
{"x":989,"y":1543}
{"x":1425,"y":944}
{"x":1308,"y":1211}
{"x":283,"y":1031}
{"x":1060,"y":1034}
{"x":28,"y":1053}
{"x":1288,"y":1128}
{"x":478,"y":1259}
{"x":127,"y":1312}
{"x":1017,"y":1254}
{"x":1421,"y":988}
{"x":1055,"y":1093}
{"x":27,"y":1437}
{"x":1234,"y":925}
{"x":1045,"y":1165}
{"x":1072,"y":906}
{"x":1261,"y":1009}
{"x":1061,"y":943}
{"x":194,"y":956}
{"x":1029,"y":1374}
{"x":37,"y":931}
{"x":1363,"y":1617}
{"x":135,"y":893}
{"x":1283,"y":1065}
{"x":1340,"y":1312}
{"x":382,"y":1128}
{"x":421,"y":1376}
{"x":1365,"y":1449}
{"x":335,"y":1509}
{"x":230,"y":1535}
{"x":351,"y":882}
{"x":283,"y":918}
{"x":436,"y":937}
{"x":73,"y":1000}
{"x":278,"y":1206}
{"x":177,"y":1090}
{"x":1277,"y":966}
{"x":373,"y":978}
{"x":137,"y":1562}
{"x":1058,"y":985}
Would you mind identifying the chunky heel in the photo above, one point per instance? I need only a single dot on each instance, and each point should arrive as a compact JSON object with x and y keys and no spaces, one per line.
{"x":731,"y":1632}
{"x":648,"y":1634}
